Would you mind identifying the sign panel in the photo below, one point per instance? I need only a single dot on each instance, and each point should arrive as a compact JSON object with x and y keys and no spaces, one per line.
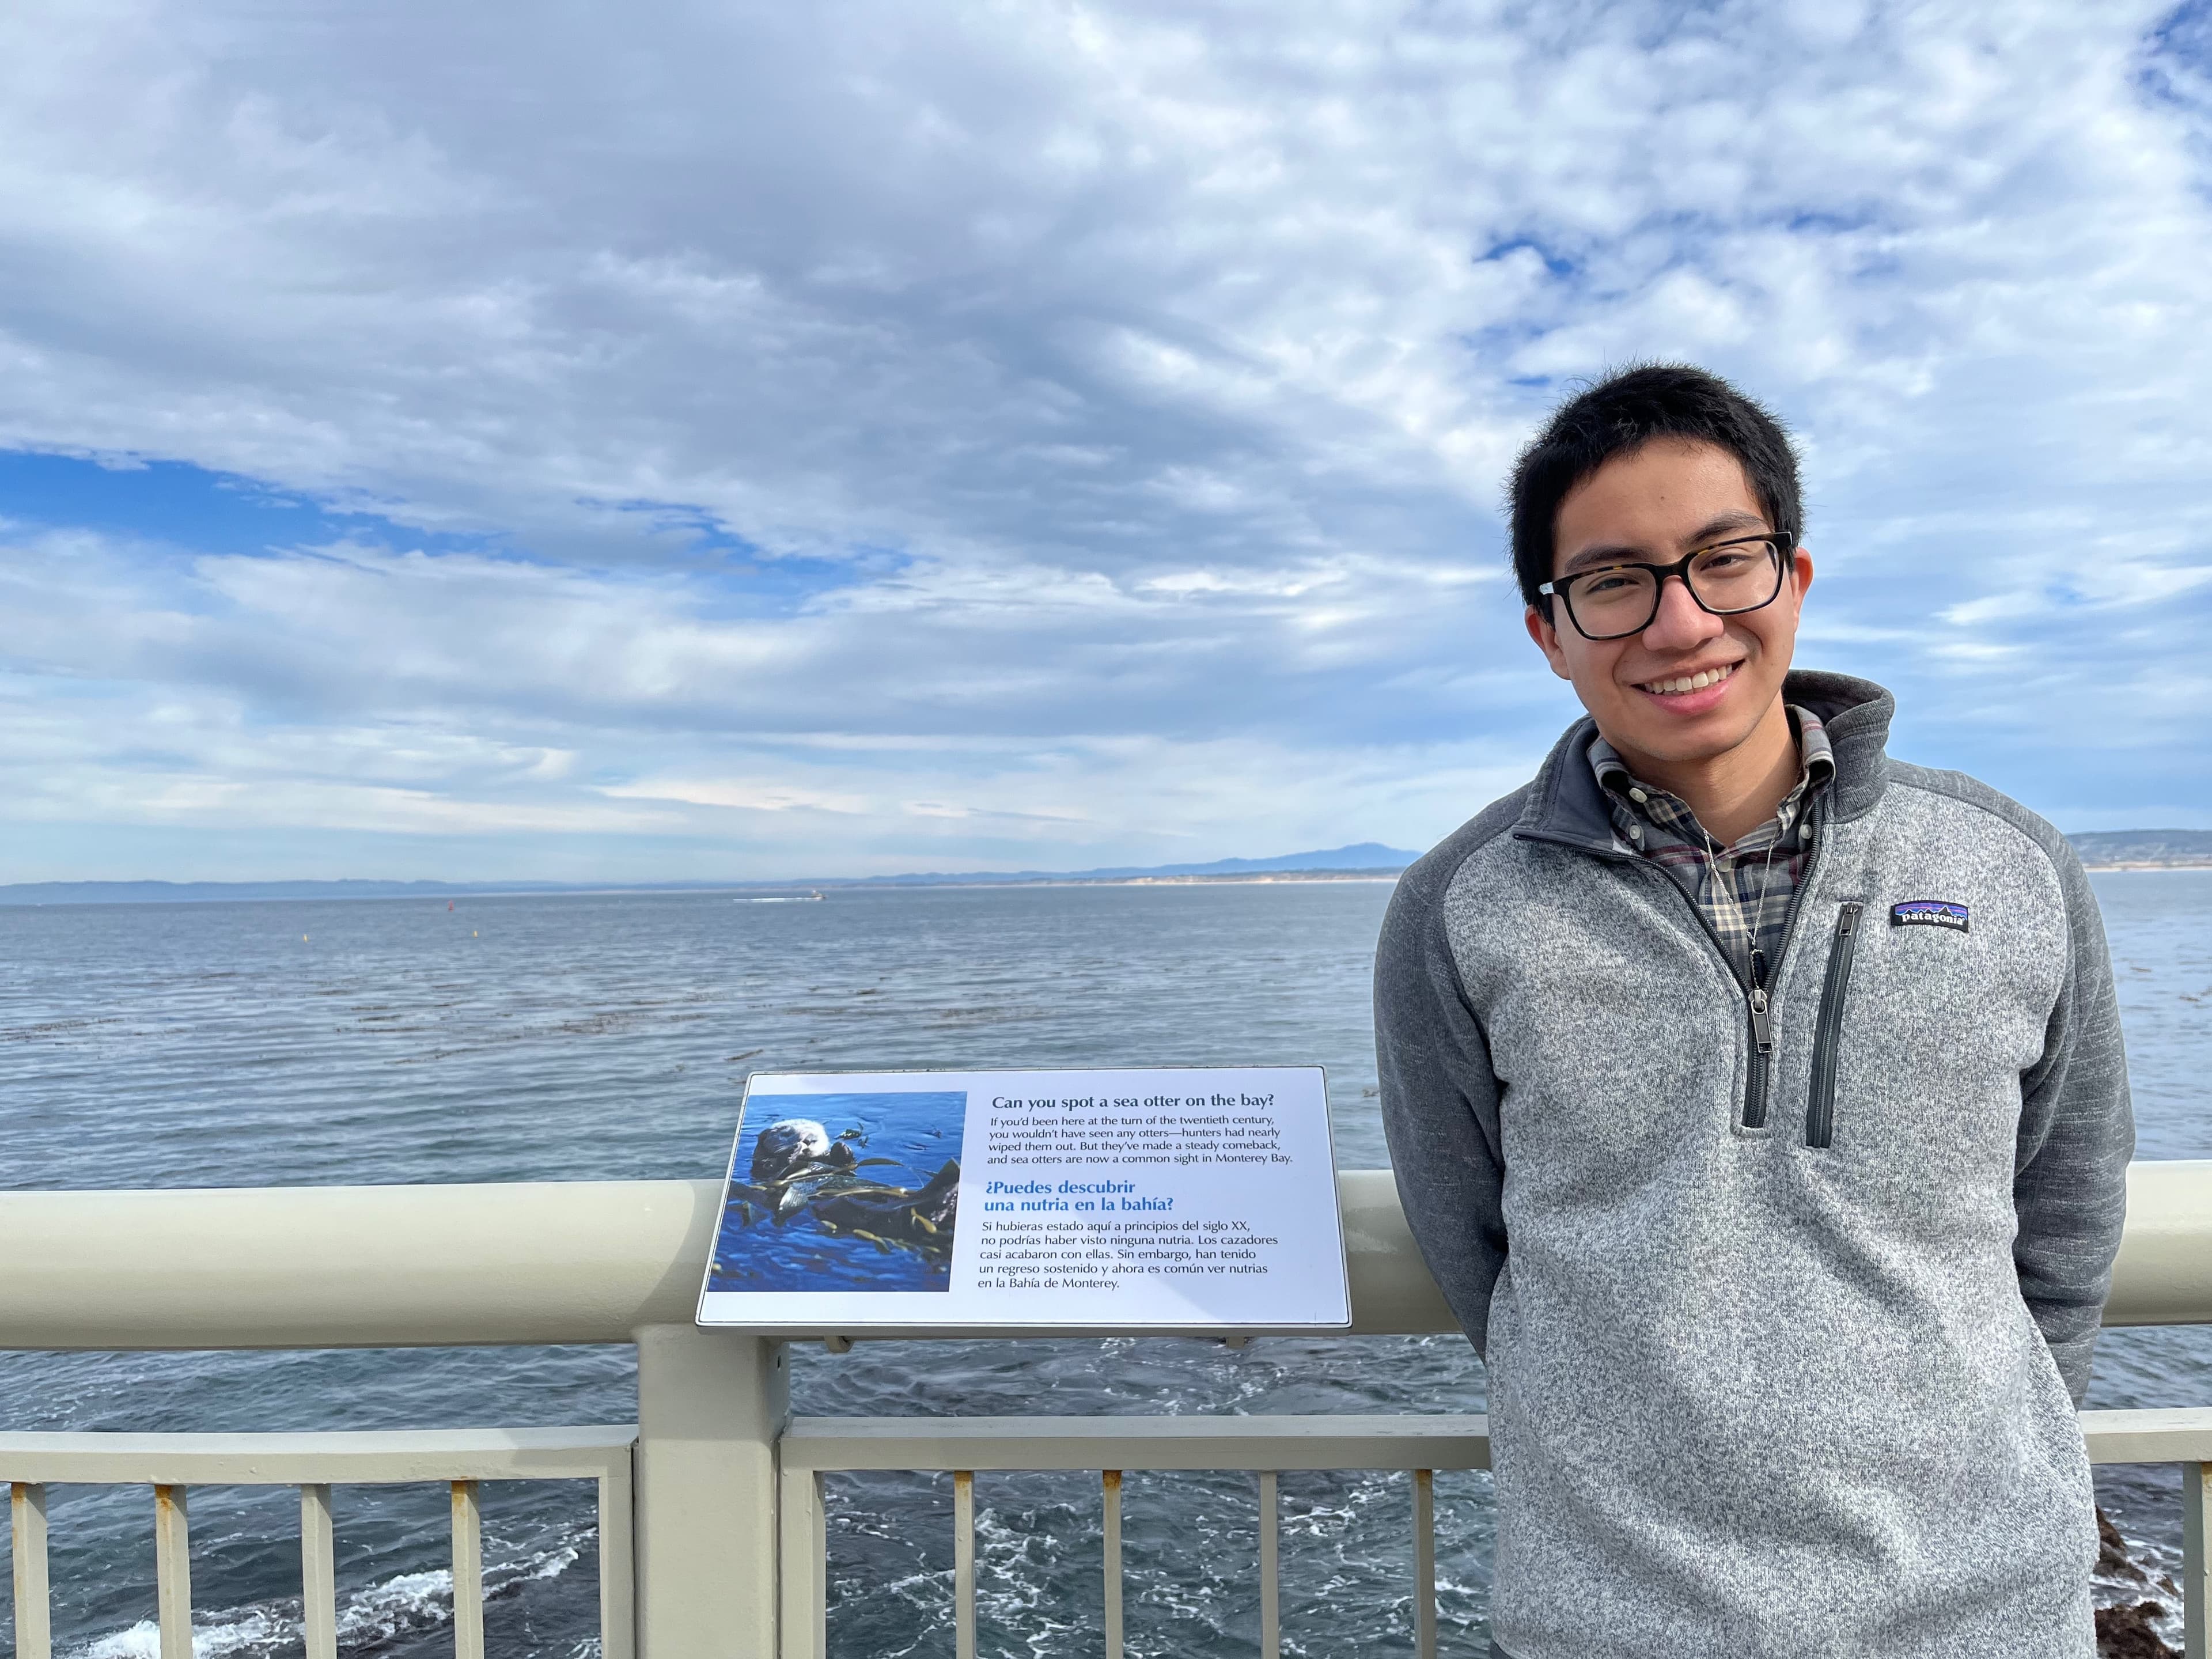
{"x":1195,"y":1199}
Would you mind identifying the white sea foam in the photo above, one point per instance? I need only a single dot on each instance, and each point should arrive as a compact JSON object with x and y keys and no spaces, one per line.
{"x":243,"y":1631}
{"x":405,"y":1604}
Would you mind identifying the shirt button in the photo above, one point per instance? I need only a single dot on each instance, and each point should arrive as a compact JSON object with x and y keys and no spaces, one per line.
{"x":1639,"y":796}
{"x":1636,"y":832}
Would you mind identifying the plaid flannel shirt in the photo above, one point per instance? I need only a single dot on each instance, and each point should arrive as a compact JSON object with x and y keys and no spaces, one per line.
{"x":1746,"y":892}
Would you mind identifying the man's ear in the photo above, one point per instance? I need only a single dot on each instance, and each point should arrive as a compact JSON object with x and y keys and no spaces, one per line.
{"x":1801,"y":573}
{"x":1548,"y":637}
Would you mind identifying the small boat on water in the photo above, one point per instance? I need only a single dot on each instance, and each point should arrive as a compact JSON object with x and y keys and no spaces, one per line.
{"x":781,"y":898}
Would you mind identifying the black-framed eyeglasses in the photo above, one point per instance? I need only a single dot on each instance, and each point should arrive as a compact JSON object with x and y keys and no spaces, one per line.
{"x":1726,"y":578}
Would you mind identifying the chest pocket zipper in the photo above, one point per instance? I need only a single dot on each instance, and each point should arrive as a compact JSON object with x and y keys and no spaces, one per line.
{"x":1820,"y":1109}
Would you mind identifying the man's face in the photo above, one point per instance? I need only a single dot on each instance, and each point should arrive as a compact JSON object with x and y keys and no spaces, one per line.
{"x":1652,"y":505}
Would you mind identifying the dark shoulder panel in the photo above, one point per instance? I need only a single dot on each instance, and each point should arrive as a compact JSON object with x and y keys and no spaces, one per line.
{"x":1426,"y":879}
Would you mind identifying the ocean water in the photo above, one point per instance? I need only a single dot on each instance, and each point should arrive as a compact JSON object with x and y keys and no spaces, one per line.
{"x":598,"y":1037}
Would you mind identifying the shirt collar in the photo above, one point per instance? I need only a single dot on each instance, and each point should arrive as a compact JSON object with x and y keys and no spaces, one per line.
{"x":1816,"y":760}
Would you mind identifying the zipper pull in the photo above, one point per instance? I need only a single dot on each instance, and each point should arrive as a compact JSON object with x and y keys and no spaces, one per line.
{"x":1761,"y":1030}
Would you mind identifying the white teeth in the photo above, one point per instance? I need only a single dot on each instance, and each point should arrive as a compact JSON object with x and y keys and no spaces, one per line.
{"x":1696,"y":682}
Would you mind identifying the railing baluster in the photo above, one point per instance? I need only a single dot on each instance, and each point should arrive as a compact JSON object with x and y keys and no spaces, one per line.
{"x":27,"y":1514}
{"x":964,"y":1562}
{"x":1110,"y":1481}
{"x":172,"y":1571}
{"x":467,"y":1572}
{"x":318,"y":1580}
{"x":1270,"y":1593}
{"x":2195,"y":1565}
{"x":1424,"y":1564}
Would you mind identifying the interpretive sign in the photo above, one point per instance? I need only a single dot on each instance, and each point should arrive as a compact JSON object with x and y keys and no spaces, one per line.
{"x":1198,"y":1199}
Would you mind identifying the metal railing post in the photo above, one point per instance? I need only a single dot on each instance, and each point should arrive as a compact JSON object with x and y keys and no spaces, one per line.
{"x":318,"y":1557}
{"x":468,"y":1572}
{"x":710,"y":1404}
{"x":33,"y":1608}
{"x":172,"y":1570}
{"x":1271,"y":1588}
{"x":964,"y":1564}
{"x":1424,"y":1564}
{"x":2195,"y":1567}
{"x":1110,"y":1481}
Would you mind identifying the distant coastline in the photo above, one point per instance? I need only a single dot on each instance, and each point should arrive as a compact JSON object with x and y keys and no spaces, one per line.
{"x":2112,"y":850}
{"x":2103,"y":851}
{"x":1364,"y":861}
{"x":2168,"y":864}
{"x":1387,"y":876}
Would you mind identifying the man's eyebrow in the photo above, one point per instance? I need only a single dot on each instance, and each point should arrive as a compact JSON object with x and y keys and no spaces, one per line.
{"x":1714,"y":528}
{"x":1711,"y":530}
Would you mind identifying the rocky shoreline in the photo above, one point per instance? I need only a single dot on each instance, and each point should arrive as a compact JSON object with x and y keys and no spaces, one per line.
{"x":2133,"y":1629}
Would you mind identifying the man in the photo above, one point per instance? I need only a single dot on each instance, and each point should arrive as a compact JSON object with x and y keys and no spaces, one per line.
{"x":1759,"y":1104}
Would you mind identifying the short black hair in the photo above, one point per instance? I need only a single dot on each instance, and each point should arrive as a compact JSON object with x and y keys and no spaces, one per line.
{"x":1625,"y":411}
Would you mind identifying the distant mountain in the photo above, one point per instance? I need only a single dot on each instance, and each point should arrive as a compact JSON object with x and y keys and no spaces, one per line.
{"x":1367,"y":858}
{"x":2155,"y":848}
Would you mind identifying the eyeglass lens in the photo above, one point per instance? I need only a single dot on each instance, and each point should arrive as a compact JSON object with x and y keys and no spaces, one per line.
{"x":1742,"y":576}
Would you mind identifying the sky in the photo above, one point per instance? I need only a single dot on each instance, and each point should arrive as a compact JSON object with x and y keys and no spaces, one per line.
{"x":752,"y":441}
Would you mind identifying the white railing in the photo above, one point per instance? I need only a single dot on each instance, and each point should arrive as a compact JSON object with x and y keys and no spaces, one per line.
{"x":1108,"y":1447}
{"x":1267,"y":1446}
{"x":459,"y":1459}
{"x":711,"y":1533}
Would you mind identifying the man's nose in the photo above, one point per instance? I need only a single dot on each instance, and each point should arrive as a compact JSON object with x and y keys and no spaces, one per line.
{"x":1683,"y":624}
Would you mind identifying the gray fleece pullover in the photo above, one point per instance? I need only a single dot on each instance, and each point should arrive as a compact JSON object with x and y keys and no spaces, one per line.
{"x":1783,"y":1347}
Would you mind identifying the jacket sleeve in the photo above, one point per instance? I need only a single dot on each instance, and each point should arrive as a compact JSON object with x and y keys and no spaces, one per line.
{"x":1439,"y":1103}
{"x":2076,"y":1135}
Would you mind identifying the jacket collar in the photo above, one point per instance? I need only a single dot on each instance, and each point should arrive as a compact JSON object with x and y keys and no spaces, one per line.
{"x":1566,"y":804}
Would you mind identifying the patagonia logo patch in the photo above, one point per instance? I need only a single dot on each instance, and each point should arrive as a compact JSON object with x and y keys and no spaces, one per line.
{"x":1927,"y":913}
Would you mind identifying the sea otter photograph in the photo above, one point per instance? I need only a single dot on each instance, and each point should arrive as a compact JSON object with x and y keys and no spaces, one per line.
{"x":857,"y":1192}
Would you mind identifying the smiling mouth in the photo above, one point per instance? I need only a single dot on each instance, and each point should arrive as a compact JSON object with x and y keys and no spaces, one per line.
{"x":1679,"y":684}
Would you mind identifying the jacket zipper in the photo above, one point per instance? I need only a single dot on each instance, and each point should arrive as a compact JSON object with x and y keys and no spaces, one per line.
{"x":1756,"y":1087}
{"x":1821,"y":1109}
{"x":1752,"y":984}
{"x":1753,"y":988}
{"x":1762,"y":1058}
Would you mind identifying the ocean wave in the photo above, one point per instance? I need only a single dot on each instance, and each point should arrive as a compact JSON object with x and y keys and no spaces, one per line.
{"x":370,"y":1620}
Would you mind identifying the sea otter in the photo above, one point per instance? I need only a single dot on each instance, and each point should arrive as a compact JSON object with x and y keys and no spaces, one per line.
{"x":793,"y":1147}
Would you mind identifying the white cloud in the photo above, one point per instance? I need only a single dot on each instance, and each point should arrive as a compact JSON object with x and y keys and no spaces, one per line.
{"x":744,"y":794}
{"x":1081,"y":396}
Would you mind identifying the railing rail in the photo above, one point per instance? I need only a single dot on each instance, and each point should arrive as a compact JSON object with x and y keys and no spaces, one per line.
{"x":596,"y":1261}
